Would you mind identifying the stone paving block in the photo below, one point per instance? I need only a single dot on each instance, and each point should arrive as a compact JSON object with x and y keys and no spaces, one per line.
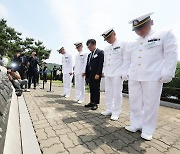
{"x":157,"y":146}
{"x":140,"y":145}
{"x":108,"y":138}
{"x":79,"y":149}
{"x":52,"y":122}
{"x":82,"y":132}
{"x":87,"y":121}
{"x":86,"y":125}
{"x":107,"y":149}
{"x":75,"y":139}
{"x":59,"y":121}
{"x":112,"y":129}
{"x":100,"y":129}
{"x":124,"y":139}
{"x":168,"y":128}
{"x":41,"y":126}
{"x":59,"y":127}
{"x":91,"y":145}
{"x":98,"y":142}
{"x":177,"y":144}
{"x":128,"y":135}
{"x":87,"y":137}
{"x":68,"y":120}
{"x":50,"y":132}
{"x":67,"y":142}
{"x":63,"y":126}
{"x":95,"y":132}
{"x":49,"y":142}
{"x":41,"y":135}
{"x":131,"y":150}
{"x":173,"y":151}
{"x":157,"y":135}
{"x":152,"y":150}
{"x":72,"y":127}
{"x":54,"y":149}
{"x":41,"y":116}
{"x":96,"y":122}
{"x":63,"y":131}
{"x":34,"y":118}
{"x":40,"y":122}
{"x":161,"y":143}
{"x":116,"y":144}
{"x":64,"y":152}
{"x":176,"y":131}
{"x":167,"y":140}
{"x":79,"y":126}
{"x":98,"y":151}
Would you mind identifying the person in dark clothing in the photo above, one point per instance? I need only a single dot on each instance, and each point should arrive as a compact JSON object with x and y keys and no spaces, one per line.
{"x":93,"y":72}
{"x":41,"y":72}
{"x":1,"y":61}
{"x":17,"y":60}
{"x":45,"y":73}
{"x":33,"y":69}
{"x":20,"y":62}
{"x":54,"y":73}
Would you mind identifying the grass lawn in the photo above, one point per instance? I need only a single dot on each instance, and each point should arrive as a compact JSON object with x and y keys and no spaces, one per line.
{"x":57,"y":82}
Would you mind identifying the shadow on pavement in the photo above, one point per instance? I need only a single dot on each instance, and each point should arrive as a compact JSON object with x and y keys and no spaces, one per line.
{"x":102,"y":130}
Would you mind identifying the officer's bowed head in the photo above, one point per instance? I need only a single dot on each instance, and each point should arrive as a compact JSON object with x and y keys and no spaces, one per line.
{"x":140,"y":22}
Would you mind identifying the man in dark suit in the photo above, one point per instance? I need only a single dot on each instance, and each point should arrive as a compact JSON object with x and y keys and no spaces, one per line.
{"x":33,"y":69}
{"x":93,"y":72}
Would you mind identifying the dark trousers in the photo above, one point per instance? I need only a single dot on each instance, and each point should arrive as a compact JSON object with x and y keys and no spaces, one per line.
{"x":45,"y":77}
{"x":32,"y":77}
{"x":38,"y":77}
{"x":94,"y":90}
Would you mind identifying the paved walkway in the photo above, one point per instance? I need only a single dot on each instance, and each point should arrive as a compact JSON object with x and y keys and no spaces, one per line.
{"x":63,"y":126}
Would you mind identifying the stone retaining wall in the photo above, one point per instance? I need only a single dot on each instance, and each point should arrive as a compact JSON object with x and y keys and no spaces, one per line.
{"x":10,"y":141}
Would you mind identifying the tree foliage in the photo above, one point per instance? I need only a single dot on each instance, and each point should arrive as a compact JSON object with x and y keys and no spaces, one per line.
{"x":11,"y":40}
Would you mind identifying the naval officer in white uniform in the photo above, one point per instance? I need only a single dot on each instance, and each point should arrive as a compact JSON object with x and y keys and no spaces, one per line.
{"x":67,"y":70}
{"x":79,"y":70}
{"x":113,"y":71}
{"x":153,"y":58}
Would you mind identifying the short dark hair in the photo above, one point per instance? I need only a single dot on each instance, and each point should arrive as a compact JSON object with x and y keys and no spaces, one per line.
{"x":19,"y":50}
{"x":92,"y":41}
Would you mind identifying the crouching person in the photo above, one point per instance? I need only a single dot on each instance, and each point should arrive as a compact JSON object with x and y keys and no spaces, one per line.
{"x":16,"y":80}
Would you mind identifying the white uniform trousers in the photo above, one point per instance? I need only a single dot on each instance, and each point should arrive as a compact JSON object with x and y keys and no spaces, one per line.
{"x":113,"y":94}
{"x":80,"y":87}
{"x":67,"y":78}
{"x":144,"y":99}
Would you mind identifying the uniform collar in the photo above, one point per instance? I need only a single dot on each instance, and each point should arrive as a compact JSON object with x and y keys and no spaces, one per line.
{"x":150,"y":33}
{"x":65,"y":54}
{"x":115,"y":42}
{"x":80,"y":52}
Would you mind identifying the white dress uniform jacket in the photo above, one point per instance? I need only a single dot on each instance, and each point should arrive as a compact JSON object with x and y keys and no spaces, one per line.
{"x":80,"y":63}
{"x":113,"y":59}
{"x":80,"y":66}
{"x":67,"y":66}
{"x":150,"y":59}
{"x":153,"y":56}
{"x":113,"y":70}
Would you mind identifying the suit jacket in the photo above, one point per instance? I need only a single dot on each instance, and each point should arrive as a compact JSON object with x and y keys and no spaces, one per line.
{"x":95,"y":63}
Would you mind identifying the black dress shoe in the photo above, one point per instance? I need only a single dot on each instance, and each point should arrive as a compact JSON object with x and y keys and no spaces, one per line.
{"x":89,"y":105}
{"x":94,"y":107}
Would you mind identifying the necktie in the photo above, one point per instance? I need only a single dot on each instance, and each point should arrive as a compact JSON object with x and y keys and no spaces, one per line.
{"x":90,"y":57}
